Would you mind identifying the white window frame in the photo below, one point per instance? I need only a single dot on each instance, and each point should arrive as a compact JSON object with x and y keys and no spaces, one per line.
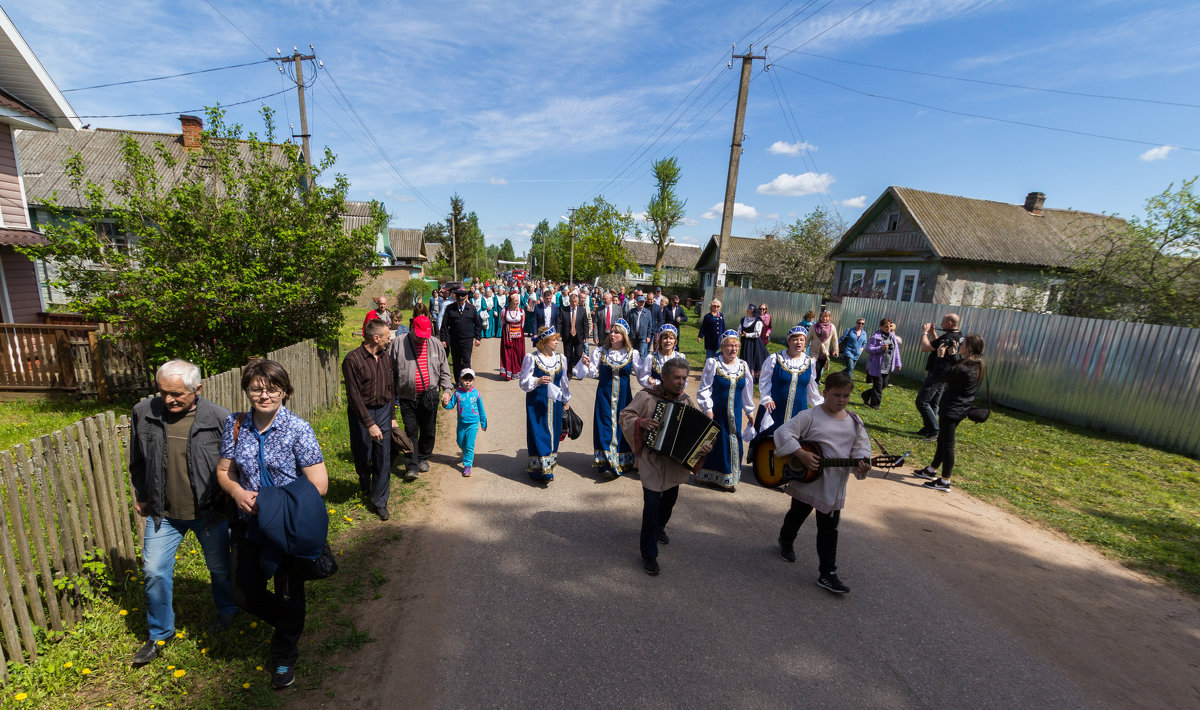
{"x":887,"y":281}
{"x":859,"y":275}
{"x":916,"y":277}
{"x":893,"y":223}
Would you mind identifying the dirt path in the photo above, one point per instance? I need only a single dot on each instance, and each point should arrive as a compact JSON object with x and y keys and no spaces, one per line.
{"x":504,"y":594}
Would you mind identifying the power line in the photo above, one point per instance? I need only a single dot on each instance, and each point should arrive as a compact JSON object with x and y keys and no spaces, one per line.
{"x":987,"y":118}
{"x":995,"y":83}
{"x":169,"y":76}
{"x":239,"y":29}
{"x":789,"y":119}
{"x":812,"y":39}
{"x":179,"y":111}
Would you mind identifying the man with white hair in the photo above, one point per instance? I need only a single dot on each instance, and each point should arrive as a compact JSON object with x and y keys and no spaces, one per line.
{"x":174,"y":446}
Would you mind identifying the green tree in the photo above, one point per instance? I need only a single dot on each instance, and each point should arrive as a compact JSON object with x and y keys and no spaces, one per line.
{"x":600,"y":229}
{"x":507,"y":253}
{"x":465,"y":240}
{"x":1146,"y":270}
{"x":665,"y":209}
{"x":229,"y":257}
{"x":544,"y":243}
{"x":799,"y":259}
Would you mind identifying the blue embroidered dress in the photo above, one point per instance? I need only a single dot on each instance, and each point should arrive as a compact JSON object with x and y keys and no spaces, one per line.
{"x":543,"y":411}
{"x":612,"y":369}
{"x":728,"y":392}
{"x":791,"y":383}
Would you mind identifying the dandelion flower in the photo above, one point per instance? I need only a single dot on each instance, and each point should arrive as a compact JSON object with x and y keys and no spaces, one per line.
{"x":258,"y":668}
{"x":246,"y":686}
{"x":179,"y":673}
{"x":68,"y":664}
{"x":203,"y":651}
{"x":123,"y":612}
{"x":20,"y":697}
{"x":162,"y":643}
{"x":254,"y":624}
{"x":331,"y":510}
{"x":347,"y":517}
{"x":85,"y":671}
{"x":170,"y":668}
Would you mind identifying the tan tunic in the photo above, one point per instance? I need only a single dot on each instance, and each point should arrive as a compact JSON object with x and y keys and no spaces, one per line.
{"x":658,"y":472}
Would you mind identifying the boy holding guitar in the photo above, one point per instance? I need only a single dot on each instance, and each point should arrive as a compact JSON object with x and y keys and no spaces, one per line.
{"x":838,"y":433}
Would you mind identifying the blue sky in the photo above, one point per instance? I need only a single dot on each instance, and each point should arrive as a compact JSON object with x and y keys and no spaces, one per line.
{"x":528,"y":108}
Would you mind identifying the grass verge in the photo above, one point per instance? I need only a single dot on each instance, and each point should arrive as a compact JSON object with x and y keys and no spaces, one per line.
{"x":1137,"y":503}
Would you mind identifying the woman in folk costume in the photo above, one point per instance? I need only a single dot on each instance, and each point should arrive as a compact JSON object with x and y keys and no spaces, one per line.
{"x":476,"y":299}
{"x":547,"y":394}
{"x":787,"y":385}
{"x":726,"y":393}
{"x":650,"y":373}
{"x":485,"y":312}
{"x":499,"y":299}
{"x":512,"y":338}
{"x":825,"y":337}
{"x":754,"y":352}
{"x":529,"y":299}
{"x":611,"y":364}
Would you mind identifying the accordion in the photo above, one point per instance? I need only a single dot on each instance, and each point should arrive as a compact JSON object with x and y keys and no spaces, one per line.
{"x":682,"y":431}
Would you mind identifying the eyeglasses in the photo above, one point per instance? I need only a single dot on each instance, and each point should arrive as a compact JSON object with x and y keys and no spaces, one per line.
{"x":762,"y":310}
{"x":256,"y":392}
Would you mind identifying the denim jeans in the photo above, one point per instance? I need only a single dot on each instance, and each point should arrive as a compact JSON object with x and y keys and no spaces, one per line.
{"x":710,"y":354}
{"x":929,"y":401}
{"x":643,"y":347}
{"x":158,"y":562}
{"x":851,"y":363}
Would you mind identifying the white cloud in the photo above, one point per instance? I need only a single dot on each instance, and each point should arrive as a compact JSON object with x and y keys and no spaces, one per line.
{"x":855,"y":202}
{"x":740,"y":211}
{"x":404,"y":198}
{"x":1159,"y":153}
{"x":773,"y":217}
{"x":782,"y":148}
{"x":797,"y":185}
{"x":689,"y":222}
{"x":640,"y":216}
{"x":498,"y":181}
{"x":520,"y":229}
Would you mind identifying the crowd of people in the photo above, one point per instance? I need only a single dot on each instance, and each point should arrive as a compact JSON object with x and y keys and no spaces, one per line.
{"x":250,"y":485}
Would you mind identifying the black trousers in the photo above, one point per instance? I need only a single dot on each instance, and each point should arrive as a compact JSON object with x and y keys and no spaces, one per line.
{"x":656,"y":512}
{"x":827,"y":533}
{"x":573,"y":352}
{"x":420,"y":424}
{"x":874,"y":396}
{"x":373,"y":459}
{"x":944,"y":455}
{"x":283,"y":610}
{"x":460,"y":353}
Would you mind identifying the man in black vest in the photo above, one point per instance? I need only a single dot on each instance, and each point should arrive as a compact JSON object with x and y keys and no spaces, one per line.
{"x":943,"y":354}
{"x":461,"y":331}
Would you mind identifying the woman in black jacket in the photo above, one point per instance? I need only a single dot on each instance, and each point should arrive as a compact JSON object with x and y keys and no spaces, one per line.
{"x":962,"y":381}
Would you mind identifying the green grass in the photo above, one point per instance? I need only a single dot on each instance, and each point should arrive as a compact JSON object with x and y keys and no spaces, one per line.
{"x":24,"y":420}
{"x":1137,"y":503}
{"x":89,"y":665}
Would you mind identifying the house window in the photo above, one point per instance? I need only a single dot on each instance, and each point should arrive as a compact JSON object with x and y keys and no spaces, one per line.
{"x":893,"y":221}
{"x":908,"y":285}
{"x":883,"y":277}
{"x":747,"y":282}
{"x":857,"y":276}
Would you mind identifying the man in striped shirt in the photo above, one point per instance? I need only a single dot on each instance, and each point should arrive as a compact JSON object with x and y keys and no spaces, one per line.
{"x":369,"y":373}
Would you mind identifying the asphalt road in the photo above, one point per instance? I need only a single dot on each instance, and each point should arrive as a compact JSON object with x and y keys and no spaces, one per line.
{"x":505,"y":594}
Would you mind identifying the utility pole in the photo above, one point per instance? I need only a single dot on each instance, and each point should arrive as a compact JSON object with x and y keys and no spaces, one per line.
{"x":297,"y":60}
{"x":453,"y":245}
{"x":543,"y":257}
{"x":572,"y":246}
{"x":735,"y":157}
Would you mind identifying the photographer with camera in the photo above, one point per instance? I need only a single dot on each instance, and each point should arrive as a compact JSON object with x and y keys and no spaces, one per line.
{"x":943,"y":355}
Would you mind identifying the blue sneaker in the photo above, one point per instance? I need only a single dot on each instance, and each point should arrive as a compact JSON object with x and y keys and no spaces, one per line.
{"x":282,"y":677}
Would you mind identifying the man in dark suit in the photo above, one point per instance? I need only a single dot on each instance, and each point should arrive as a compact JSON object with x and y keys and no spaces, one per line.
{"x":657,"y":304}
{"x":674,"y":314}
{"x":641,"y":326}
{"x":545,"y":313}
{"x":575,"y":324}
{"x":461,"y":331}
{"x":606,"y":314}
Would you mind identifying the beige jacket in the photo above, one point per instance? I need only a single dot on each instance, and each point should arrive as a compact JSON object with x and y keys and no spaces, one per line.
{"x":658,"y":473}
{"x":402,"y":352}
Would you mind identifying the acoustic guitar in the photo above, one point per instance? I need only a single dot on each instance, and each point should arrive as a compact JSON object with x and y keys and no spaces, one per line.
{"x":772,"y":471}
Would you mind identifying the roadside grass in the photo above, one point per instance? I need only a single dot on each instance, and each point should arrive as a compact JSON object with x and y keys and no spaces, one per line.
{"x":88,"y":666}
{"x":1137,"y":503}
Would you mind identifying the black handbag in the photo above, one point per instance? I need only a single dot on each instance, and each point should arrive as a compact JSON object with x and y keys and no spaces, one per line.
{"x":572,"y":424}
{"x":323,"y":566}
{"x":981,"y":414}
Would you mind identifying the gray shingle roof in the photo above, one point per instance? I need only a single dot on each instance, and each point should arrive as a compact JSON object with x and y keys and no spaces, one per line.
{"x":963,"y":228}
{"x":741,"y":254}
{"x":678,"y":256}
{"x":407,"y":243}
{"x":356,"y":214}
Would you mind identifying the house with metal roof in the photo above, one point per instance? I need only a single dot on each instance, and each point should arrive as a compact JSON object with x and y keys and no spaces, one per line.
{"x":913,"y":245}
{"x":678,"y":263}
{"x":742,"y":256}
{"x":30,"y":104}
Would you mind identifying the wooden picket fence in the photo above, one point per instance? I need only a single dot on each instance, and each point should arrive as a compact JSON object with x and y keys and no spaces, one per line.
{"x":78,"y":359}
{"x":66,"y":496}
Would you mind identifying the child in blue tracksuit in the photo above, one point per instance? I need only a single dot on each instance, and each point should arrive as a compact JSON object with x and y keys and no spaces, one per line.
{"x":470,"y":416}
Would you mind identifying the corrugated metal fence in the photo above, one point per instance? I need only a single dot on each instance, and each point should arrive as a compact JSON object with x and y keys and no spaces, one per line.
{"x":65,"y":496}
{"x":1138,"y":380}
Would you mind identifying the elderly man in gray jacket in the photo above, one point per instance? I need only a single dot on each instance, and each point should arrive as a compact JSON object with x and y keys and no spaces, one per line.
{"x":421,"y":374}
{"x":174,"y":445}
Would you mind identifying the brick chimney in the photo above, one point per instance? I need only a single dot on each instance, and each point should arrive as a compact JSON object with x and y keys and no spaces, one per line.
{"x":192,"y":128}
{"x":1034,"y":202}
